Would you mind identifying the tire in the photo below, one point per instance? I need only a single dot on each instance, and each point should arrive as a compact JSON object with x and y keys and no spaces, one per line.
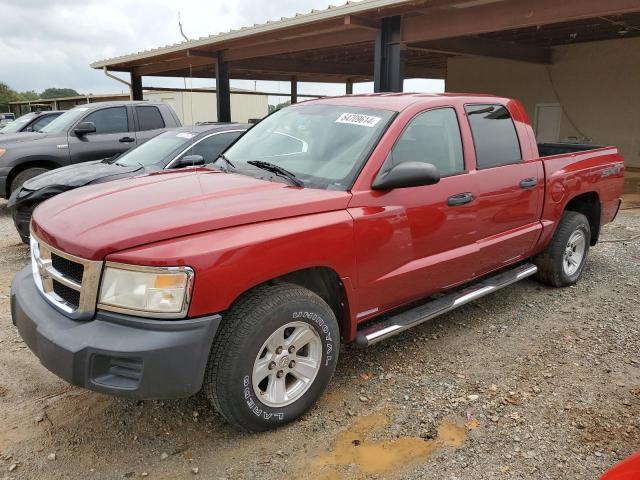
{"x":25,"y":175}
{"x":240,"y":346}
{"x":556,"y":265}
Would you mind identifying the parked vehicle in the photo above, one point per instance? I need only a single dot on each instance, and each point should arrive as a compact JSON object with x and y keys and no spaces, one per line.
{"x":331,"y":213}
{"x":6,"y":118}
{"x":84,"y":133}
{"x":627,"y":469}
{"x":30,"y":122}
{"x":176,"y":148}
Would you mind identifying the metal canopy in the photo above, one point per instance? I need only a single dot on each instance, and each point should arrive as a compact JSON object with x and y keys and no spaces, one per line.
{"x":337,"y":44}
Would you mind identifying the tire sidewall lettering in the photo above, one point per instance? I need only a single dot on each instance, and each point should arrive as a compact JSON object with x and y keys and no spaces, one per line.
{"x":249,"y":397}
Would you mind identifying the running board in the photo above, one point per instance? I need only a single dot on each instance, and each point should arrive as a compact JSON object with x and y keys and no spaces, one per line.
{"x":403,"y":321}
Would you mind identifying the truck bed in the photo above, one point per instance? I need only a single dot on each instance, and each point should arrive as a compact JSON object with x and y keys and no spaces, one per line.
{"x":550,"y":149}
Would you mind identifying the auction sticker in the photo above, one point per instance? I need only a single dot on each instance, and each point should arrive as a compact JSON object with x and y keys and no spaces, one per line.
{"x":358,"y":119}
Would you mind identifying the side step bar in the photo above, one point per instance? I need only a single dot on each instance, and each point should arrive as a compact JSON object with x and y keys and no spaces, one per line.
{"x":403,"y":321}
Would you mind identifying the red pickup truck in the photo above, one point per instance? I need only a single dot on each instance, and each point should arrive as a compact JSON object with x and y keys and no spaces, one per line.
{"x":339,"y":220}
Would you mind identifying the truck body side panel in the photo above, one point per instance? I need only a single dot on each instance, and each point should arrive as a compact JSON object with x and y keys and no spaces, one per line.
{"x":598,"y":171}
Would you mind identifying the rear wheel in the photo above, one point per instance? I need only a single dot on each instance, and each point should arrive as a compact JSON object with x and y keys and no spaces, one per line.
{"x":272,"y":358}
{"x":561,"y":264}
{"x":25,"y":175}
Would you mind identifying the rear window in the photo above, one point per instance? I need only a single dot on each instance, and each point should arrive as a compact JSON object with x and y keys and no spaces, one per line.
{"x":494,"y":135}
{"x":149,"y":118}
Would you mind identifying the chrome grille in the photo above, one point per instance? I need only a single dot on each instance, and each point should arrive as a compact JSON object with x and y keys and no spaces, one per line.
{"x":66,"y":267}
{"x":68,"y":282}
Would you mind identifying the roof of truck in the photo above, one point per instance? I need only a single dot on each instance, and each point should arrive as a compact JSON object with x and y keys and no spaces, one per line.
{"x":400,"y":101}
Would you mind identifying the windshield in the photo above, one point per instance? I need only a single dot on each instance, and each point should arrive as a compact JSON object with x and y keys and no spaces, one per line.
{"x":17,"y":125}
{"x":323,"y":145}
{"x":63,"y":122}
{"x":156,"y":149}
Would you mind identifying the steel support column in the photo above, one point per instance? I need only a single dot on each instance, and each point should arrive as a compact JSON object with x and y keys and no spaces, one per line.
{"x":294,"y":90}
{"x":388,"y":68}
{"x":223,"y":90}
{"x":136,"y":87}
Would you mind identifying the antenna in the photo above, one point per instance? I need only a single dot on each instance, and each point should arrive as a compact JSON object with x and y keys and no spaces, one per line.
{"x":180,"y":27}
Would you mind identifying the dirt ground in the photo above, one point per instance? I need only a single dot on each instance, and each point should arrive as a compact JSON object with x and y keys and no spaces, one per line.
{"x":530,"y":382}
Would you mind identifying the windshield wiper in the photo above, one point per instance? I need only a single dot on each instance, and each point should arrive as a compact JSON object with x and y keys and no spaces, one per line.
{"x":278,"y":170}
{"x":226,"y":160}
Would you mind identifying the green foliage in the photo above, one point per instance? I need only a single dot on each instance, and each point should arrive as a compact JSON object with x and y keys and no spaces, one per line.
{"x":273,"y":108}
{"x":59,"y":92}
{"x":7,"y":94}
{"x":28,"y":95}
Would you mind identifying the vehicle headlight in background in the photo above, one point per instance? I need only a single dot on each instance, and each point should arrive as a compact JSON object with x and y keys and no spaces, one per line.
{"x":162,"y":292}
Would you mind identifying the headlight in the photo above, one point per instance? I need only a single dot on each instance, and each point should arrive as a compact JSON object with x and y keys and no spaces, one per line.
{"x":146,"y":291}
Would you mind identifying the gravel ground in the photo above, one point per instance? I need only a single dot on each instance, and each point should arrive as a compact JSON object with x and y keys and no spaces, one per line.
{"x":530,"y":382}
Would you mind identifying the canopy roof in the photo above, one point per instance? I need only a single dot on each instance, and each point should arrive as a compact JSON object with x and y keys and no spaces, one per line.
{"x":337,"y":44}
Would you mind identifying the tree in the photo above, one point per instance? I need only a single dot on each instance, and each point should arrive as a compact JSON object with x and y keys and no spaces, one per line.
{"x":28,"y":95}
{"x":59,"y":92}
{"x":273,"y":108}
{"x":7,"y":95}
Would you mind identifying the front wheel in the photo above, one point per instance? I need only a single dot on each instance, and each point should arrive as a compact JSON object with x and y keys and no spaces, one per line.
{"x":272,"y":358}
{"x":561,"y":263}
{"x":25,"y":175}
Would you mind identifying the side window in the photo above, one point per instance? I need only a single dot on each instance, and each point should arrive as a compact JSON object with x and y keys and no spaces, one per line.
{"x":41,"y":123}
{"x":149,"y":118}
{"x":210,"y":148}
{"x":109,"y":120}
{"x":494,"y":135}
{"x":432,"y":137}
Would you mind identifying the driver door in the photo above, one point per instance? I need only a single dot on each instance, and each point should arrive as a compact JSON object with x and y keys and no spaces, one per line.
{"x":114,"y":134}
{"x":413,"y":242}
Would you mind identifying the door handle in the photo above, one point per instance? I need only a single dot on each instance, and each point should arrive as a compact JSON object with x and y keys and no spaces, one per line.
{"x":528,"y":183}
{"x":459,"y":199}
{"x":127,"y":140}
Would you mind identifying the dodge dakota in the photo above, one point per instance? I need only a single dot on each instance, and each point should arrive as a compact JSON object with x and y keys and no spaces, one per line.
{"x":347,"y":219}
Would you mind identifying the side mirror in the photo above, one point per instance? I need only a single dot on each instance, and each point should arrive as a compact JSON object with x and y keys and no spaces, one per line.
{"x":190,"y":160}
{"x":83,"y":128}
{"x":407,"y":174}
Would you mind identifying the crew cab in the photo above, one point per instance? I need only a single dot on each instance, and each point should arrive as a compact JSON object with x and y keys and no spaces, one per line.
{"x":347,"y":219}
{"x":84,"y":133}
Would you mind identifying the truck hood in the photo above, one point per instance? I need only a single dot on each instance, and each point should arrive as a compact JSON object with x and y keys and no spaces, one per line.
{"x":94,"y":221}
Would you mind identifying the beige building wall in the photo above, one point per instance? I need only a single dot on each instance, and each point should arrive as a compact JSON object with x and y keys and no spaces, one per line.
{"x":597,"y":84}
{"x":201,"y":106}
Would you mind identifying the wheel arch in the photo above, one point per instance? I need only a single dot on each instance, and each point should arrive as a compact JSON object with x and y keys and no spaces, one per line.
{"x":35,"y":163}
{"x":324,"y":282}
{"x":588,"y":204}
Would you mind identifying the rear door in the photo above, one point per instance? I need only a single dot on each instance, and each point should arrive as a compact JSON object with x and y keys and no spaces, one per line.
{"x":149,"y":122}
{"x":416,"y":241}
{"x":509,"y":189}
{"x":114,"y":135}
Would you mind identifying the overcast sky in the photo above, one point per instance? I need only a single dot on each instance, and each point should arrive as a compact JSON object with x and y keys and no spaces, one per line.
{"x":46,"y":43}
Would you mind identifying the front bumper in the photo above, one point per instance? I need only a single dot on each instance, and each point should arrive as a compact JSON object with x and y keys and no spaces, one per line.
{"x":21,"y":215}
{"x":115,"y":354}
